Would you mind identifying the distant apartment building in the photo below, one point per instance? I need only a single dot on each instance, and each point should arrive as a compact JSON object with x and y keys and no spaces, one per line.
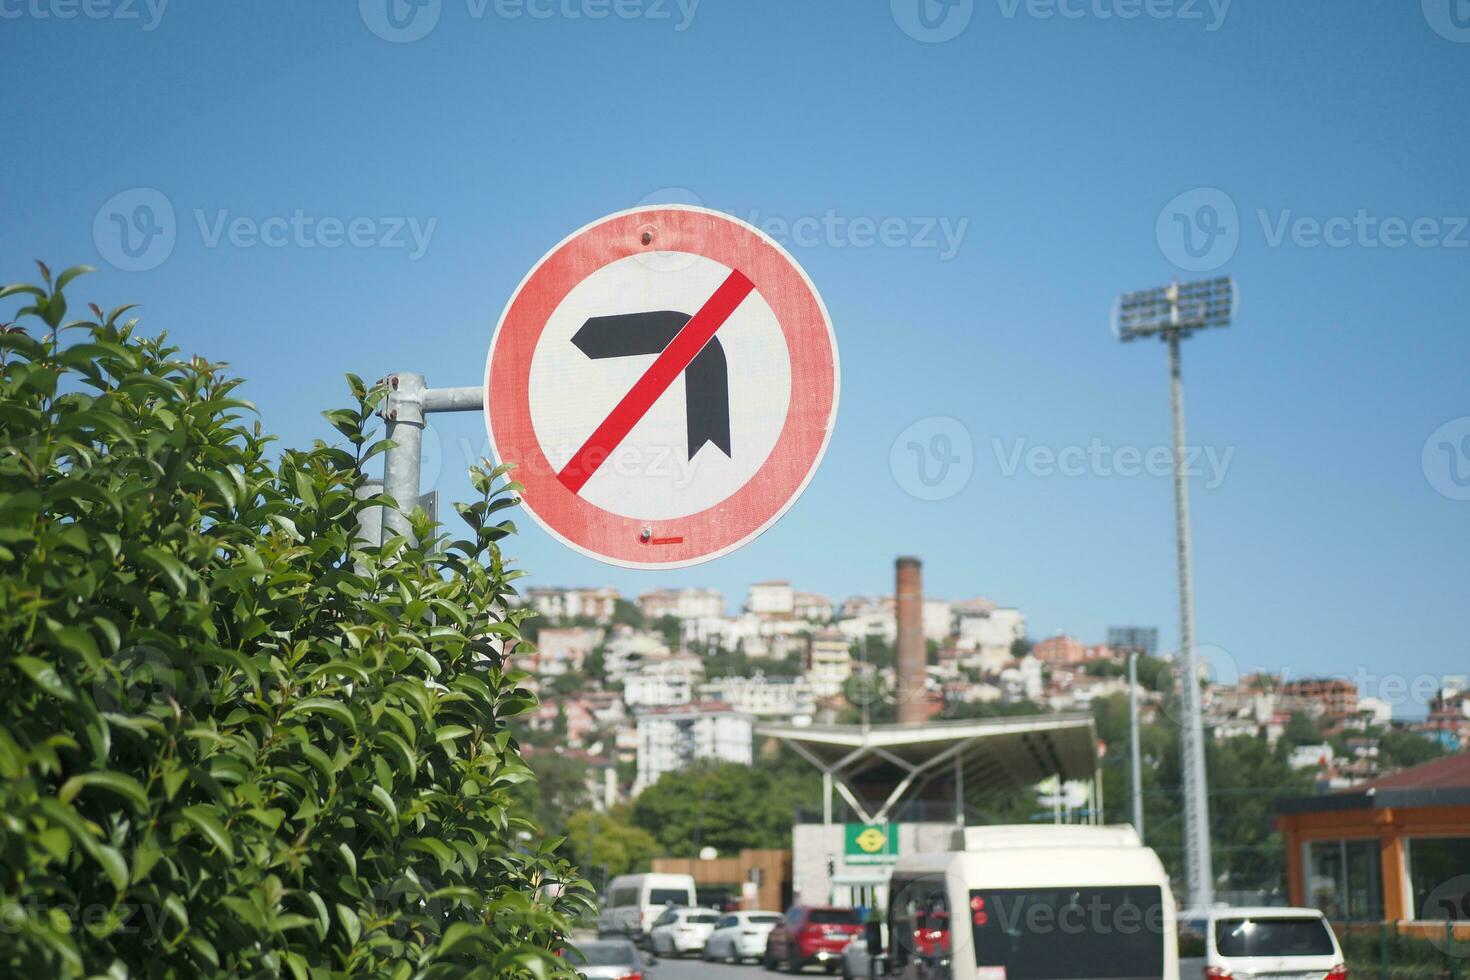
{"x":878,"y":623}
{"x":1332,"y":699}
{"x":564,"y":648}
{"x":1134,"y":639}
{"x":661,"y":683}
{"x":812,"y":607}
{"x":763,"y":697}
{"x":561,"y":604}
{"x":1023,"y":682}
{"x":753,"y":635}
{"x":1311,"y":756}
{"x":1068,"y":651}
{"x":626,"y":649}
{"x":771,"y":600}
{"x":682,"y":604}
{"x":573,"y":715}
{"x":985,"y":633}
{"x":828,"y":662}
{"x":671,"y":739}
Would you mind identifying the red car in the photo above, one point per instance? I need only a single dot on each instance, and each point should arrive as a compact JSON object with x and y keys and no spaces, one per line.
{"x":811,"y":934}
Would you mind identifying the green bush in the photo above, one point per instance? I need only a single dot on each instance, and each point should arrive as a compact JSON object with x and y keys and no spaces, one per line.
{"x":234,"y":742}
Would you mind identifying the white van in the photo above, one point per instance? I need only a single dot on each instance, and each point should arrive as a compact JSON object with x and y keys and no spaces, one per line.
{"x":1031,"y":903}
{"x":632,"y":902}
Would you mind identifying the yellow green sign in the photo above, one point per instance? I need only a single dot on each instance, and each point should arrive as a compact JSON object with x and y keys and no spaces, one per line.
{"x":875,"y":843}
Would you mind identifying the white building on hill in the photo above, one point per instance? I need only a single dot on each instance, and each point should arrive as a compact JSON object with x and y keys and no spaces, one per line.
{"x":670,"y":739}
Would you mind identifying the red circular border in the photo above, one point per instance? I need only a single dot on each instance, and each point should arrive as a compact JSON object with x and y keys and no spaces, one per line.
{"x":750,"y":509}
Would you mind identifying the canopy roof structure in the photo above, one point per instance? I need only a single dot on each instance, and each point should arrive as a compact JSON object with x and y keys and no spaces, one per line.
{"x":877,"y":768}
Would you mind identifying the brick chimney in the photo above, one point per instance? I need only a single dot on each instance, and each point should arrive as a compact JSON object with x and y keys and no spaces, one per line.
{"x":908,"y":594}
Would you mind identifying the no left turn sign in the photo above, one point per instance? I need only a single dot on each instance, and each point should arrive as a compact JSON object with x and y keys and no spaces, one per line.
{"x":665,"y":381}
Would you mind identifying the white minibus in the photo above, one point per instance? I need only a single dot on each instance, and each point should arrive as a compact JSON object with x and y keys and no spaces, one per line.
{"x":1031,"y":903}
{"x":632,"y":902}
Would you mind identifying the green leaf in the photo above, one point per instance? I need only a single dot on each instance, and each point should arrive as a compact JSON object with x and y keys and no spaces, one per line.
{"x":351,"y":924}
{"x":323,"y":706}
{"x":386,"y":799}
{"x":45,"y":677}
{"x":121,"y":784}
{"x":202,"y":817}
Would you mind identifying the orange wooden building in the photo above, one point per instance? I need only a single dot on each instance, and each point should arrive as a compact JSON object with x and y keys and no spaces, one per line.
{"x":1396,"y":849}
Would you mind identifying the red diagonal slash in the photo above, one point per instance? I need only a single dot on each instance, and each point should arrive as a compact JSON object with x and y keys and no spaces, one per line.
{"x":687,"y":343}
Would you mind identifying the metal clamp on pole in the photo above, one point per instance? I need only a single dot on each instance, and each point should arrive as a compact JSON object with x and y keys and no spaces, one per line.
{"x":408,"y":400}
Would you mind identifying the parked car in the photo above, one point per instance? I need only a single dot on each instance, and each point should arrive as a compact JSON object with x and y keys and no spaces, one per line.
{"x":632,"y":903}
{"x":740,"y":936}
{"x":1263,"y":942}
{"x":856,"y":963}
{"x":811,"y":934}
{"x":610,"y":959}
{"x":682,"y":931}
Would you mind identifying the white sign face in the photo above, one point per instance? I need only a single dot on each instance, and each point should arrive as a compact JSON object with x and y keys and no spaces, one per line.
{"x":665,"y":381}
{"x":655,"y":473}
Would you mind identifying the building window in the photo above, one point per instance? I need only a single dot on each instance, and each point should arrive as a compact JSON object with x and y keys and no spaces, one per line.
{"x":1437,"y":873}
{"x":1343,"y":880}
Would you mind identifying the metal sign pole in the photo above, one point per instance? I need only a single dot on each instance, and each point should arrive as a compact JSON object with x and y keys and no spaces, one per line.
{"x":409,"y":400}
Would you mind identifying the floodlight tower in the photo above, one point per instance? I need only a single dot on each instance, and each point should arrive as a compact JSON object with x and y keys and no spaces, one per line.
{"x":1172,"y":313}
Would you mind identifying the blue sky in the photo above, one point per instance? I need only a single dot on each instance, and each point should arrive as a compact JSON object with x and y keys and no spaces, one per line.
{"x":1055,"y":143}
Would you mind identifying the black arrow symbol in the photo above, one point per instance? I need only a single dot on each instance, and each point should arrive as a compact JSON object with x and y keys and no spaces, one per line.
{"x":706,"y":379}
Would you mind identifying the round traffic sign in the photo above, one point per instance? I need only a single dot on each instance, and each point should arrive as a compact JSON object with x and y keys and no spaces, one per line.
{"x":665,"y":381}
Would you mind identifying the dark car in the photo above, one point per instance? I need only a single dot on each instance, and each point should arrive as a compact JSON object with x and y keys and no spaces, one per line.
{"x":812,"y":934}
{"x":609,"y":959}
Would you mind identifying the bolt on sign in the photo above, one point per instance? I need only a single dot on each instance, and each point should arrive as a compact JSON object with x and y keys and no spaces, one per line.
{"x":665,"y":381}
{"x":870,"y":843}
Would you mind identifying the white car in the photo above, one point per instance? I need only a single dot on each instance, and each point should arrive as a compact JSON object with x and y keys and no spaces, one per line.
{"x":1284,"y":943}
{"x":682,"y":931}
{"x":740,"y":936}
